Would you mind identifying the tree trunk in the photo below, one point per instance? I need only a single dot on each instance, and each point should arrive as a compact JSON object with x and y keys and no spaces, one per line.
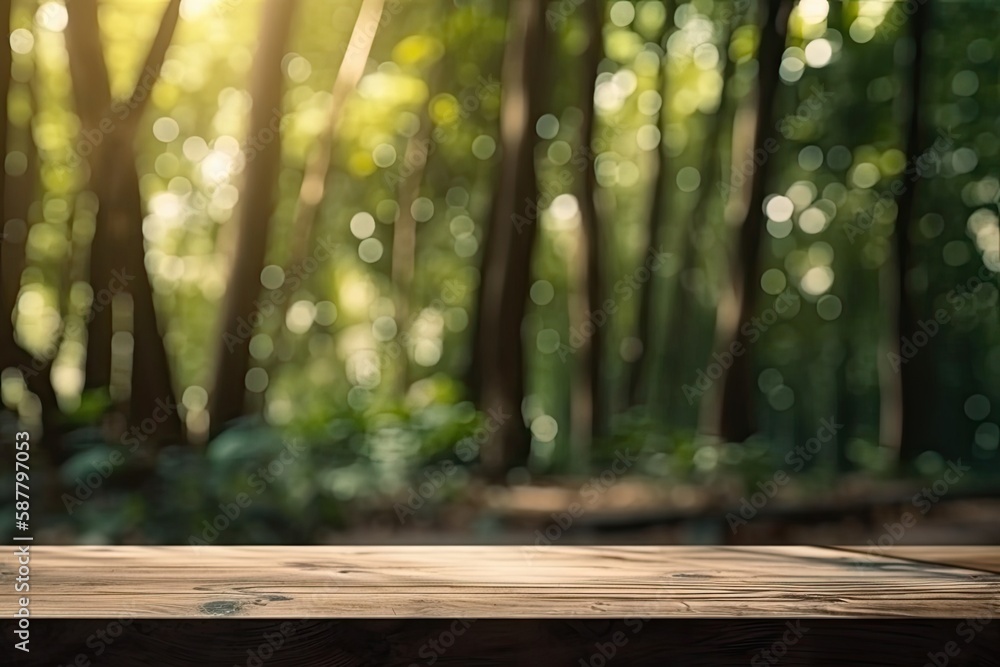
{"x":16,"y":195}
{"x":733,"y":419}
{"x":118,"y":246}
{"x":846,"y":406}
{"x":10,"y":274}
{"x":92,"y":95}
{"x":404,"y":237}
{"x":506,"y":272}
{"x":678,"y":335}
{"x":258,"y":202}
{"x":314,"y":181}
{"x":152,"y":391}
{"x":21,"y":191}
{"x":638,"y":370}
{"x":907,"y":390}
{"x":589,"y":408}
{"x":317,"y":171}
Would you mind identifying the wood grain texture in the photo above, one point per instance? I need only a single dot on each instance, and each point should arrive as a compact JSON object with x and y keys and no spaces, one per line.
{"x":493,"y":582}
{"x":985,"y":559}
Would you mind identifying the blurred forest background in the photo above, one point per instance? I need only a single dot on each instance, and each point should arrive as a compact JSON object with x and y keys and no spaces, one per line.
{"x":318,"y":270}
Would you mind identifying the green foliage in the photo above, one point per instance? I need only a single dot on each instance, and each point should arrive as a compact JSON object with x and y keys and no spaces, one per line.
{"x":327,"y":373}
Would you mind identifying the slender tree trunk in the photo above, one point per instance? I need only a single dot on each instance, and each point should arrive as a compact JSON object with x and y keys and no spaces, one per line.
{"x":733,"y":419}
{"x":88,"y":68}
{"x":679,"y":327}
{"x":638,"y":370}
{"x":317,"y":172}
{"x":152,"y":391}
{"x":313,"y":190}
{"x":92,"y":94}
{"x":503,"y":292}
{"x":228,"y":399}
{"x":845,"y":408}
{"x":10,"y":275}
{"x":20,"y":193}
{"x":907,"y":389}
{"x":589,"y":408}
{"x":404,"y":237}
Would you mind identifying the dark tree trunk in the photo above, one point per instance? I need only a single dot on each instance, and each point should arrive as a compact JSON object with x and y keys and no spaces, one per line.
{"x":846,"y":406}
{"x":507,"y":258}
{"x":404,"y":239}
{"x":118,"y":247}
{"x":589,"y":403}
{"x":908,"y":388}
{"x":733,"y":418}
{"x":92,"y":94}
{"x":638,"y":369}
{"x":228,"y":400}
{"x":152,"y":391}
{"x":679,"y":331}
{"x":17,"y":195}
{"x":10,"y":275}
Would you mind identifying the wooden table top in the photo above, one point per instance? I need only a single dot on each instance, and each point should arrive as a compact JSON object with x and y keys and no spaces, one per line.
{"x":505,"y":582}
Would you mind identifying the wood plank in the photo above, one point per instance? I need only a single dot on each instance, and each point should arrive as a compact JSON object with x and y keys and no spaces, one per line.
{"x":985,"y":559}
{"x":493,"y":582}
{"x":505,"y":642}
